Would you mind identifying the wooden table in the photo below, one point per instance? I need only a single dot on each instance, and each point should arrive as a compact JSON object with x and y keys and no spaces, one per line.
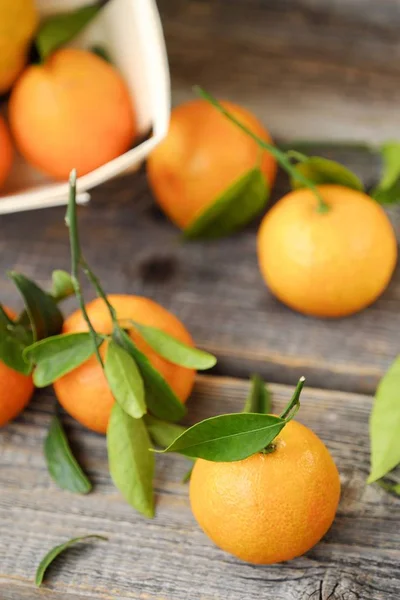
{"x":216,"y":289}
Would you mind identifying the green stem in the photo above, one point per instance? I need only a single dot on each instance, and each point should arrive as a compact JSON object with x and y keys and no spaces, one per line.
{"x":299,"y":156}
{"x":294,"y":403}
{"x":72,"y":224}
{"x":100,"y":292}
{"x":280,"y":156}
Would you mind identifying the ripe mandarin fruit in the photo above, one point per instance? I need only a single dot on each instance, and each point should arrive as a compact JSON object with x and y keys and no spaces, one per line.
{"x":271,"y":507}
{"x":16,"y":389}
{"x":202,"y":155}
{"x":18,"y":20}
{"x":6,"y":152}
{"x":84,"y":392}
{"x":73,"y":111}
{"x":328,"y":264}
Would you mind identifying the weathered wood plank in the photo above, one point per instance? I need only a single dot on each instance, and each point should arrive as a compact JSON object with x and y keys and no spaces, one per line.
{"x":308,"y":68}
{"x":215,"y":288}
{"x":169,"y":558}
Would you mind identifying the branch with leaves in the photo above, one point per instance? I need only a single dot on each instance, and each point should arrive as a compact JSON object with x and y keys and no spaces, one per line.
{"x":145,"y":406}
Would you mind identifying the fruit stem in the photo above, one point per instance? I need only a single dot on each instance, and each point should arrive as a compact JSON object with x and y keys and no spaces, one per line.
{"x":269,"y":449}
{"x":280,"y":156}
{"x":100,"y":292}
{"x":294,"y":404}
{"x":76,"y":257}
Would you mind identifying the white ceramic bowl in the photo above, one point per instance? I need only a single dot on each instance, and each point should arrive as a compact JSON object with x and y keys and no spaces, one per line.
{"x":131,"y":32}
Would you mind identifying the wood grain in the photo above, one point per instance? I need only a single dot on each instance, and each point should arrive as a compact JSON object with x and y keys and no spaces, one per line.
{"x":308,"y":68}
{"x":169,"y":558}
{"x":215,"y":288}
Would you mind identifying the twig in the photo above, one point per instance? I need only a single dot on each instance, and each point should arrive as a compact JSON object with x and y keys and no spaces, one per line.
{"x":72,"y":224}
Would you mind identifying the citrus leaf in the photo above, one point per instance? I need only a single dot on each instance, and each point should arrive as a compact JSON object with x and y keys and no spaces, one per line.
{"x":322,"y":171}
{"x":5,"y":321}
{"x":62,"y":285}
{"x":44,"y":315}
{"x":61,"y":463}
{"x":384,"y":424}
{"x":174,"y":350}
{"x":161,"y":432}
{"x":54,"y":552}
{"x":389,"y":196}
{"x":227,"y":438}
{"x":101,"y":52}
{"x":125,"y":381}
{"x":160,"y":398}
{"x":187,"y":475}
{"x":11,"y":353}
{"x":390,"y":152}
{"x":233,"y":209}
{"x":58,"y":355}
{"x":57,"y":30}
{"x":388,"y":189}
{"x":130,"y":460}
{"x":259,"y":398}
{"x":392,"y":488}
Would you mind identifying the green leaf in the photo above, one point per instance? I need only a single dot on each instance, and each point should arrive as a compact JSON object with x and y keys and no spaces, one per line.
{"x":57,"y":30}
{"x":161,"y":432}
{"x":54,"y":552}
{"x":5,"y":321}
{"x":61,"y":463}
{"x":57,"y":355}
{"x":44,"y":315}
{"x":388,"y":189}
{"x":322,"y":171}
{"x":228,"y":438}
{"x":160,"y":398}
{"x":62,"y":286}
{"x":390,"y":152}
{"x":188,"y":475}
{"x":233,"y":209}
{"x":392,"y":488}
{"x":259,"y":398}
{"x":130,"y":460}
{"x":11,"y":353}
{"x":125,"y":381}
{"x":384,"y":424}
{"x":101,"y":52}
{"x":173,"y":350}
{"x":389,"y":196}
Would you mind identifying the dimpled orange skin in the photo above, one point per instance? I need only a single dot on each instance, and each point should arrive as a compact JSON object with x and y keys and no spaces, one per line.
{"x":84,"y":392}
{"x":268,"y":508}
{"x":16,"y":389}
{"x":201,"y":156}
{"x":329,"y":264}
{"x":6,"y":152}
{"x":73,"y":111}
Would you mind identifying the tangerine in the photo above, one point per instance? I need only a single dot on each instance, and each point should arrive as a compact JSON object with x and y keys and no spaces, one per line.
{"x":84,"y":392}
{"x":73,"y":111}
{"x":201,"y":156}
{"x":271,"y":507}
{"x":6,"y":152}
{"x":327,"y":264}
{"x":16,"y":389}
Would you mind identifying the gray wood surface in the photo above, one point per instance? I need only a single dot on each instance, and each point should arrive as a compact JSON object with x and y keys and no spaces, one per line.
{"x":215,"y":288}
{"x":170,"y":558}
{"x":310,"y":68}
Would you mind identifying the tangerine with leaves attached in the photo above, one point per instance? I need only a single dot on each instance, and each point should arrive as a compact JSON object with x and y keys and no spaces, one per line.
{"x":270,"y":507}
{"x":84,"y":392}
{"x":201,"y":156}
